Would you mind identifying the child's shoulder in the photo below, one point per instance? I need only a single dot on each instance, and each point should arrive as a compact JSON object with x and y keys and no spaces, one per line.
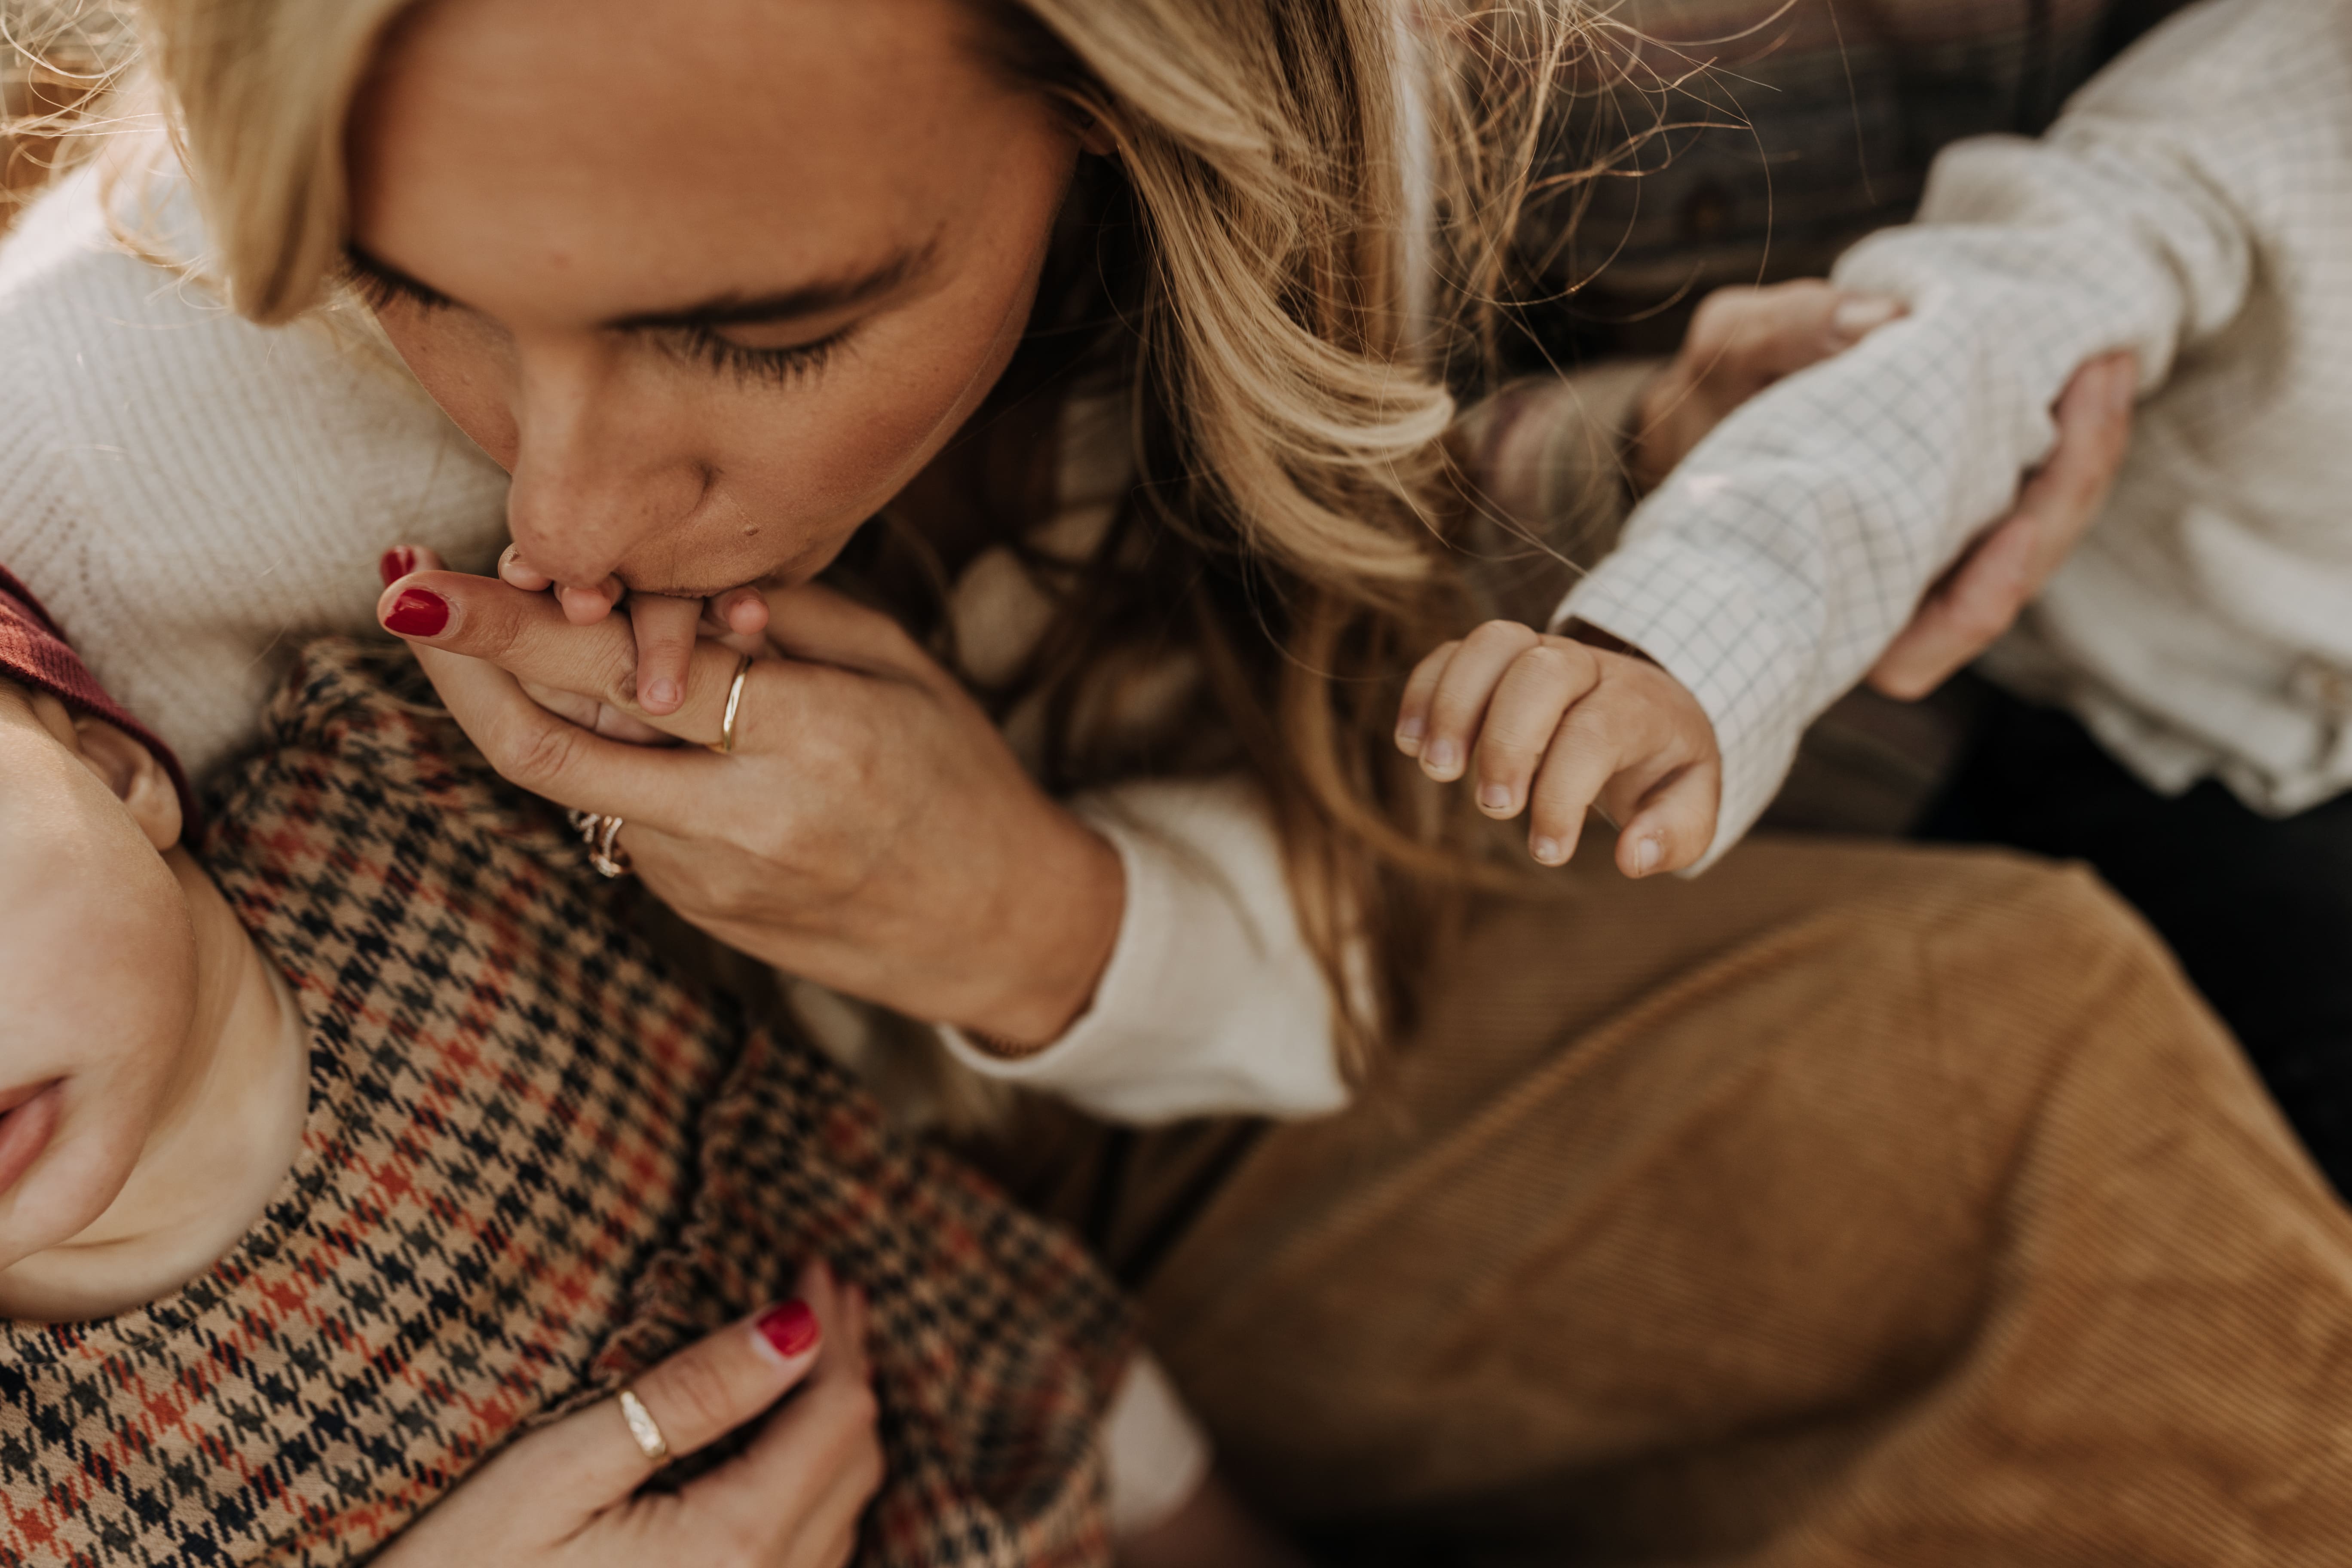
{"x":362,"y":785}
{"x":2252,"y":59}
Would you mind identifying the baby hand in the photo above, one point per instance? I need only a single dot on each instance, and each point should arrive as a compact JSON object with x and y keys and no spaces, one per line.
{"x":666,"y":628}
{"x":663,"y":631}
{"x":1554,"y":726}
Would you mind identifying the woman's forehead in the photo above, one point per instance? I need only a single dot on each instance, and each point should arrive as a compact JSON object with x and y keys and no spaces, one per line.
{"x":562,"y":140}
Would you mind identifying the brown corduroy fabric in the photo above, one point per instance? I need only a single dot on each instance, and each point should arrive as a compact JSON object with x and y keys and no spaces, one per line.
{"x":1849,"y":1204}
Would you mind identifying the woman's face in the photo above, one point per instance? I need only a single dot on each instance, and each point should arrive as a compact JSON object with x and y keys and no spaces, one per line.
{"x":711,"y":278}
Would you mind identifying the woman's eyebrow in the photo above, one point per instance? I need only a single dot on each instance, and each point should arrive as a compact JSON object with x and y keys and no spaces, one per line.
{"x":818,"y":298}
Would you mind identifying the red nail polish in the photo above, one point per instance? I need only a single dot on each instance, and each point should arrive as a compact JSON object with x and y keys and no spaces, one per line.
{"x":418,"y":613}
{"x":790,"y":1329}
{"x":398,"y":562}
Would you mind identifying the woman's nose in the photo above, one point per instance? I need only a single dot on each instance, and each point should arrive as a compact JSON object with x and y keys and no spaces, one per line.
{"x":592,"y":481}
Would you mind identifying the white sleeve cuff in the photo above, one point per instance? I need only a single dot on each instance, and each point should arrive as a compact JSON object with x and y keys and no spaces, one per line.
{"x":1155,"y":1455}
{"x":1211,"y":1003}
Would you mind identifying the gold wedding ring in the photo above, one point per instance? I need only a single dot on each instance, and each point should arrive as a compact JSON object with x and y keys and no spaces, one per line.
{"x":725,"y":746}
{"x":643,"y":1428}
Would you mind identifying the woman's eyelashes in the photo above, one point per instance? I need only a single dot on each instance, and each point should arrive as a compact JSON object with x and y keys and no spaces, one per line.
{"x":382,"y":288}
{"x":765,"y":367}
{"x":379,"y":287}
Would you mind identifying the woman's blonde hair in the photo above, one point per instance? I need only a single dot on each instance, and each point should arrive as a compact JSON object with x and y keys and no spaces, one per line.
{"x":1316,"y":198}
{"x":58,"y":58}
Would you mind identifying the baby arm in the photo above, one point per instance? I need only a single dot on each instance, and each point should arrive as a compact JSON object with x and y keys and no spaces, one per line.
{"x":1775,"y":567}
{"x":1554,"y":726}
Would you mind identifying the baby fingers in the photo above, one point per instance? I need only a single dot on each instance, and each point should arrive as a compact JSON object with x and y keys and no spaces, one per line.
{"x":1674,"y":822}
{"x":1640,"y":748}
{"x":1534,"y":694}
{"x":1412,"y":712}
{"x":517,"y":573}
{"x":664,"y":630}
{"x":1457,"y":707}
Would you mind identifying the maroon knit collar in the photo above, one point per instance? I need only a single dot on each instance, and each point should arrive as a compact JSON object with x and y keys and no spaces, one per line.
{"x":33,"y":649}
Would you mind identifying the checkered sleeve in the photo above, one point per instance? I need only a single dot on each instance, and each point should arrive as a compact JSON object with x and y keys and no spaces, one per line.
{"x":1795,"y":541}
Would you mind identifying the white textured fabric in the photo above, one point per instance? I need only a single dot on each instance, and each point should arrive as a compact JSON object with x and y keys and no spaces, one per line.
{"x":192,"y":495}
{"x":1211,"y":1003}
{"x":2194,"y":203}
{"x":1155,"y":1455}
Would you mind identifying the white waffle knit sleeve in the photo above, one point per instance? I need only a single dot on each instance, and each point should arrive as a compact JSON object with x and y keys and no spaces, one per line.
{"x":1212,"y":1002}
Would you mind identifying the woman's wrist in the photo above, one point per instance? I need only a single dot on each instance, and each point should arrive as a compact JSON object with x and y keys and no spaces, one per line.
{"x":1057,"y":938}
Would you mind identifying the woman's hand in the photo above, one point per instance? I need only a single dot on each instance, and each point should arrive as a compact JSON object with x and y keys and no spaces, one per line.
{"x":1740,"y":341}
{"x":564,"y":1497}
{"x":1986,"y":588}
{"x":871,"y":831}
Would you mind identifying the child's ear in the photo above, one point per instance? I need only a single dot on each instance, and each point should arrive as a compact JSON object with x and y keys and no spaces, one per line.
{"x":127,"y":768}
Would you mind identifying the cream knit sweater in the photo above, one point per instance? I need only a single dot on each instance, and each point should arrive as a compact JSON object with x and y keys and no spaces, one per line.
{"x":192,"y":495}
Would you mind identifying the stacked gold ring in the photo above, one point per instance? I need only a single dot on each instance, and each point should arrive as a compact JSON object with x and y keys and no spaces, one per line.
{"x":598,"y":832}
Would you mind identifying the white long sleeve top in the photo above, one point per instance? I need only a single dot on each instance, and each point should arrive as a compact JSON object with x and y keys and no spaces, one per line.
{"x":192,"y":495}
{"x":2194,"y":205}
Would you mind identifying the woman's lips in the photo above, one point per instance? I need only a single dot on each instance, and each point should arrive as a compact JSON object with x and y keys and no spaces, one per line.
{"x":27,"y":1116}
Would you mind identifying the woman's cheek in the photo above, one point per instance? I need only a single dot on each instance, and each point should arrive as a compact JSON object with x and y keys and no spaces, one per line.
{"x":465,"y":368}
{"x":837,"y":453}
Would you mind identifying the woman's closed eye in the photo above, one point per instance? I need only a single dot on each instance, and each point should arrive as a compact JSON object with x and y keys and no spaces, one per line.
{"x":763,"y":366}
{"x":380,"y":287}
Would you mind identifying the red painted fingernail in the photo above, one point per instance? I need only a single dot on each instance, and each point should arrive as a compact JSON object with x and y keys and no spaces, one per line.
{"x":790,"y":1329}
{"x":398,"y":562}
{"x":418,"y":613}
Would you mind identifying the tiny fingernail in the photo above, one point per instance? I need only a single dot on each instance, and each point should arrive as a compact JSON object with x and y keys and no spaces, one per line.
{"x":398,"y":562}
{"x":790,"y":1329}
{"x":1440,"y":756}
{"x":1855,"y":317}
{"x":662,"y":696}
{"x":1646,"y":855}
{"x":1547,"y":850}
{"x":417,"y":612}
{"x":1493,"y":797}
{"x":1410,"y":729}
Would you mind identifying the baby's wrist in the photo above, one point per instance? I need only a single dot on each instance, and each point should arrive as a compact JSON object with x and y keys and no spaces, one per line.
{"x":1590,"y":636}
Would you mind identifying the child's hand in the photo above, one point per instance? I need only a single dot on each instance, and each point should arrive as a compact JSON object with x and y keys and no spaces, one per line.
{"x":663,"y":631}
{"x":1573,"y":726}
{"x":666,"y":628}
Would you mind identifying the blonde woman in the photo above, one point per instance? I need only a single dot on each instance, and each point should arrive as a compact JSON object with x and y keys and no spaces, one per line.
{"x":1853,"y":1203}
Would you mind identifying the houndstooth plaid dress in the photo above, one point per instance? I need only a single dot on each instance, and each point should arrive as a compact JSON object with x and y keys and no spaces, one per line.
{"x":534,"y":1163}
